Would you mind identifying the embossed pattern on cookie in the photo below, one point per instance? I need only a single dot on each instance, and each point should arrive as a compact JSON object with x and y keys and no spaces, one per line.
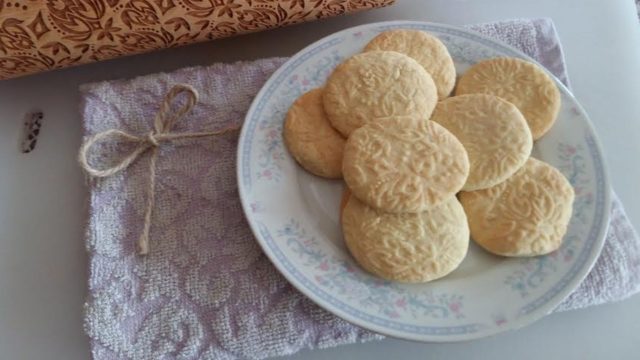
{"x":520,"y":82}
{"x":494,"y":133}
{"x":406,"y":247}
{"x":311,"y":140}
{"x":404,"y":164}
{"x":426,"y":49}
{"x":526,"y":215}
{"x":375,"y":85}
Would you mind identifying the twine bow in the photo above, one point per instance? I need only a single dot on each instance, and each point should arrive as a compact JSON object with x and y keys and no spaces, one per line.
{"x":163,"y":124}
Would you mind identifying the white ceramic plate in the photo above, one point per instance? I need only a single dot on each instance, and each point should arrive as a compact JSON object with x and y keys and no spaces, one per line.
{"x":294,"y":215}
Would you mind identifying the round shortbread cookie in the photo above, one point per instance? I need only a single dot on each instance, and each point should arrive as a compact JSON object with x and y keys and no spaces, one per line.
{"x":494,"y":133}
{"x":426,"y":49}
{"x":311,"y":140}
{"x":374,"y":85}
{"x":520,"y":82}
{"x":404,"y":165}
{"x":527,"y":215}
{"x":415,"y":247}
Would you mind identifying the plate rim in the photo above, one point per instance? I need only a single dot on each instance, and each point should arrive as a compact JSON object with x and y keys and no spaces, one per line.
{"x":522,"y":321}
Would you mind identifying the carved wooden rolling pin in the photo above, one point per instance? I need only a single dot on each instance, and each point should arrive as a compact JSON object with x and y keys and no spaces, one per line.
{"x":40,"y":35}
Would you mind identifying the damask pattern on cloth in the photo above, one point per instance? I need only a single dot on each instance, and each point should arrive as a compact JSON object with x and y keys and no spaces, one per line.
{"x":43,"y":35}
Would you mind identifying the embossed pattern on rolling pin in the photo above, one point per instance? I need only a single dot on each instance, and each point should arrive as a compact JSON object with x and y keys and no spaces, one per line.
{"x":38,"y":36}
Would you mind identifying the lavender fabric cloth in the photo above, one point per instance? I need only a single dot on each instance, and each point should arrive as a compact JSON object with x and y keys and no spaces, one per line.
{"x":206,"y":291}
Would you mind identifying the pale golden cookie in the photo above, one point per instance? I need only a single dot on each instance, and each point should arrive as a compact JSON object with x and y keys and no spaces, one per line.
{"x":404,"y":165}
{"x":311,"y":140}
{"x":426,"y":49}
{"x":416,"y":247}
{"x":526,"y":215}
{"x":520,"y":82}
{"x":494,"y":133}
{"x":374,"y":85}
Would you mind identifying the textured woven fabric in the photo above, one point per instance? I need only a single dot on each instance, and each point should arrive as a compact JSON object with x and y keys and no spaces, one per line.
{"x":206,"y":291}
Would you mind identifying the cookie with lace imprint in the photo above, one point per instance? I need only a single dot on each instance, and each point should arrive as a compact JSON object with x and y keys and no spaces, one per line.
{"x":311,"y":140}
{"x":409,"y":247}
{"x":520,"y":82}
{"x":494,"y":133}
{"x":423,"y":47}
{"x":374,"y":85}
{"x":527,"y":215}
{"x":404,"y":164}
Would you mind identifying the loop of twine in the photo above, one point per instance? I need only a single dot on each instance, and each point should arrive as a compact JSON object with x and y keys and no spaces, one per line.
{"x":163,"y":123}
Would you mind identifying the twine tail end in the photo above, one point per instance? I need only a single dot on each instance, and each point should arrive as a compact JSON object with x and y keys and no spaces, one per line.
{"x":143,"y":245}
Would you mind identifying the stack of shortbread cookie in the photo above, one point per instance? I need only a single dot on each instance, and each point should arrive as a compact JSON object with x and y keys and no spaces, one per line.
{"x":424,"y":170}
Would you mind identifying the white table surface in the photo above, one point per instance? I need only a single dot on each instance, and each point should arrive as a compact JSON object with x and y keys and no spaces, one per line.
{"x":42,"y":197}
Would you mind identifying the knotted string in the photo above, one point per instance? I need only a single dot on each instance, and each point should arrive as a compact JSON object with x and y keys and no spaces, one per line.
{"x":162,"y":125}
